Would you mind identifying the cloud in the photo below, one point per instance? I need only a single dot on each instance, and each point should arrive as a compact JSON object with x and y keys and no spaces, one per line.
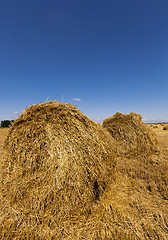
{"x":77,"y":99}
{"x":98,"y":119}
{"x":154,"y":120}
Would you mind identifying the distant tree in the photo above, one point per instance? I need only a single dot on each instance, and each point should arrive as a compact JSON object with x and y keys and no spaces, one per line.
{"x":6,"y":123}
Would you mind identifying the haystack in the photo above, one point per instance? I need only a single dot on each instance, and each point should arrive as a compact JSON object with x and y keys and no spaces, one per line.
{"x":57,"y":164}
{"x":134,"y":136}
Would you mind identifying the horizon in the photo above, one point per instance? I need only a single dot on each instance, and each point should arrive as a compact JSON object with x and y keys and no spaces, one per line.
{"x":103,"y":56}
{"x":99,"y":120}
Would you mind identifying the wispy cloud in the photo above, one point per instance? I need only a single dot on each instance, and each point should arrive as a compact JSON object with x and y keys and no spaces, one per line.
{"x":149,"y":119}
{"x":77,"y":99}
{"x":154,"y":120}
{"x":98,"y":119}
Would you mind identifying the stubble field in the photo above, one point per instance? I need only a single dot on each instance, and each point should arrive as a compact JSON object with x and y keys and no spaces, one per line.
{"x":137,"y":201}
{"x":3,"y":135}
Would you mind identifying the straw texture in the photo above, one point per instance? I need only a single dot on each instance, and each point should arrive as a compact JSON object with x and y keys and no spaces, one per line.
{"x":57,"y":164}
{"x":134,"y":136}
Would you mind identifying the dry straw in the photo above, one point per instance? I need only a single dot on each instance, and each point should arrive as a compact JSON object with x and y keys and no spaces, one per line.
{"x":57,"y":164}
{"x":134,"y":136}
{"x":60,"y":178}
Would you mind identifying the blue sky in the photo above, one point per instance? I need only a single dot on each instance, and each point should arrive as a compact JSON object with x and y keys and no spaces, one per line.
{"x":112,"y":55}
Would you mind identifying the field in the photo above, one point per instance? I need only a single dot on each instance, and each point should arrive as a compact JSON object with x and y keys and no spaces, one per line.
{"x":162,"y":135}
{"x":134,"y":207}
{"x":3,"y":134}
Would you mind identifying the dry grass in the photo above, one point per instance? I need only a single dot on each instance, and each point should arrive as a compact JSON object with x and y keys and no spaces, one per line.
{"x":134,"y":137}
{"x":133,"y":205}
{"x":56,"y":166}
{"x":3,"y":135}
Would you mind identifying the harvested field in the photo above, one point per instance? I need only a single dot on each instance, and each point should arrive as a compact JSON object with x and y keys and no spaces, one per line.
{"x":129,"y":203}
{"x":3,"y":135}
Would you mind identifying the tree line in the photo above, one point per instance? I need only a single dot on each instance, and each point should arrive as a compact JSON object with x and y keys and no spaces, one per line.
{"x":6,"y":123}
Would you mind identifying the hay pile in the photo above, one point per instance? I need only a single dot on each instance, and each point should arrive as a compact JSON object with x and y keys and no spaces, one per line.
{"x":134,"y":136}
{"x":57,"y":164}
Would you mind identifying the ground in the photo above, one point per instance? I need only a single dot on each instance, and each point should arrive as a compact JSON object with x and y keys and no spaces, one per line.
{"x":3,"y":135}
{"x":162,"y":135}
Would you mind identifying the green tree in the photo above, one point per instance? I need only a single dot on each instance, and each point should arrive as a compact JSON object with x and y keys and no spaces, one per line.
{"x":6,"y":123}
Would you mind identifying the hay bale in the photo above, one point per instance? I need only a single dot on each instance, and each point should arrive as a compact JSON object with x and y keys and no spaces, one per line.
{"x":57,"y":164}
{"x":134,"y":136}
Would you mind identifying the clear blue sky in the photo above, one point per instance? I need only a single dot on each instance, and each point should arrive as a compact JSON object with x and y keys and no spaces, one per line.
{"x":110,"y":54}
